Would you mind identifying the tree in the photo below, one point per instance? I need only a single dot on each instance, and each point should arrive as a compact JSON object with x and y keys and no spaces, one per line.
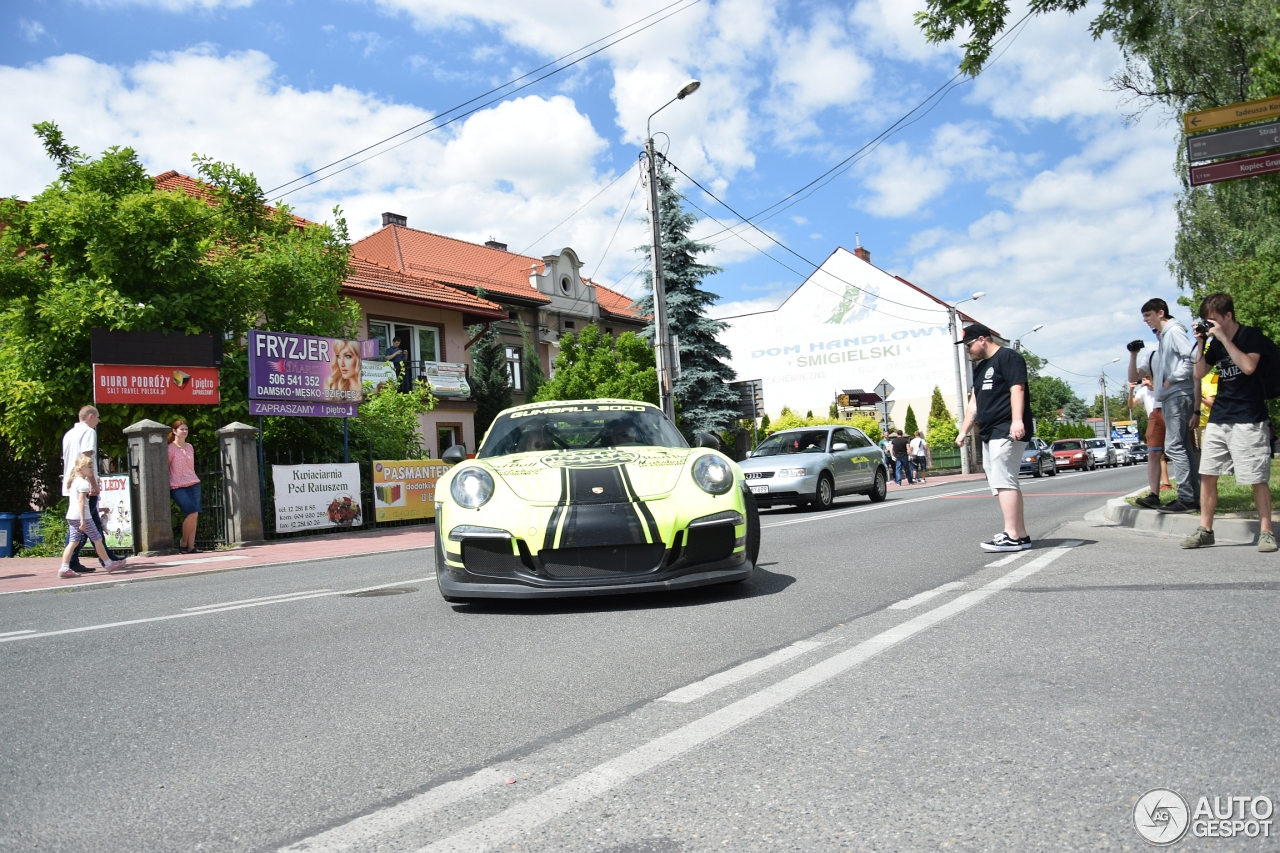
{"x":101,"y":247}
{"x":942,"y":428}
{"x":490,"y":385}
{"x":833,"y":411}
{"x":1075,"y":411}
{"x":706,"y":402}
{"x":787,"y":420}
{"x":592,"y":366}
{"x":534,"y":376}
{"x":909,"y":425}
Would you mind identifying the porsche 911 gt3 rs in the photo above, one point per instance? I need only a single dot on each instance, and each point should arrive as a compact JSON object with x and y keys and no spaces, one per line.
{"x":590,"y":497}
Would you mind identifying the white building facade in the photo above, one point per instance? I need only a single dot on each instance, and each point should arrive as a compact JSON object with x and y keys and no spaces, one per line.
{"x":849,"y":326}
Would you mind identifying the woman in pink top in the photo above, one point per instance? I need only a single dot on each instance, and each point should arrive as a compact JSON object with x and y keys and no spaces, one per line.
{"x":184,"y":485}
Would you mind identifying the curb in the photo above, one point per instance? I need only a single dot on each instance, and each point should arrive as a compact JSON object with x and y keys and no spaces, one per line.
{"x":1122,"y":514}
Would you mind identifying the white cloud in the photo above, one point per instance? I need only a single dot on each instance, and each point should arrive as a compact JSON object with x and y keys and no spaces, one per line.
{"x":171,"y":5}
{"x":510,"y":172}
{"x":372,"y":41}
{"x":30,"y":30}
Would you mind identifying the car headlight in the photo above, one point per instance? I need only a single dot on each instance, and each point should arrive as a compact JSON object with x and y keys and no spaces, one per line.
{"x":1078,"y":456}
{"x":713,"y":475}
{"x":472,"y":487}
{"x":792,"y":472}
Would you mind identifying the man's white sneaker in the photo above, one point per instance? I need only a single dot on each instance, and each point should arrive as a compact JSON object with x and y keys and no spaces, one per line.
{"x":1002,"y":542}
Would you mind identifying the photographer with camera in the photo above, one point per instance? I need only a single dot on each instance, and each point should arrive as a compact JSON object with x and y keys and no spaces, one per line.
{"x":1237,"y":434}
{"x":1141,"y":393}
{"x":1174,"y":388}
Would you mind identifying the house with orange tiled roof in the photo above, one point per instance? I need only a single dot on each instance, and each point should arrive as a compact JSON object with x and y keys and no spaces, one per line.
{"x":543,"y":297}
{"x":429,"y":318}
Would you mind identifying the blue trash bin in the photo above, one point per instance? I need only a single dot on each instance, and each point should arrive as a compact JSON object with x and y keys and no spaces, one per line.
{"x":6,"y":533}
{"x":30,"y":522}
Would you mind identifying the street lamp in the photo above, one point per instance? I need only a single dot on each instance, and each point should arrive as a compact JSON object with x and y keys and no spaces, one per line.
{"x":661,"y":333}
{"x":955,"y":339}
{"x":1017,"y":344}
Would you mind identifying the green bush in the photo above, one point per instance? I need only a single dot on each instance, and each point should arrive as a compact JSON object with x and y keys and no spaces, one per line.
{"x":789,"y":420}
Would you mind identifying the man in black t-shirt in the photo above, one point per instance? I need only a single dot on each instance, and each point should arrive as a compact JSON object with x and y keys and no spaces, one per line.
{"x":900,"y":450}
{"x":1238,"y":432}
{"x":1001,"y":405}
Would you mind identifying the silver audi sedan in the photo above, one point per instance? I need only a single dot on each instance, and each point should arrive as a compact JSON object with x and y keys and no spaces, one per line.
{"x":811,"y":466}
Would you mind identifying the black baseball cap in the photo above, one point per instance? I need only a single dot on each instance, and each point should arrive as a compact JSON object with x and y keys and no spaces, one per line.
{"x":973,"y":332}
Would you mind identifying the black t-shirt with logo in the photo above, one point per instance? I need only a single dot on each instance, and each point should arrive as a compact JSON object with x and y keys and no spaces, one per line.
{"x":992,"y":381}
{"x":1240,"y":397}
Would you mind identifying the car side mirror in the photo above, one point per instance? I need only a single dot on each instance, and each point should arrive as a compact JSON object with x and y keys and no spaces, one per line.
{"x":838,"y":446}
{"x":706,"y":439}
{"x":455,"y":454}
{"x":750,"y":453}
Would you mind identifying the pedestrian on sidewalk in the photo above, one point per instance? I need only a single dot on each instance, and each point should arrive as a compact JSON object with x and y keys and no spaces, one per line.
{"x":82,"y":441}
{"x":1000,"y":405}
{"x":1174,"y":385}
{"x":78,"y":483}
{"x":184,"y":485}
{"x":919,"y":456}
{"x":1238,"y":433}
{"x":1142,"y":394}
{"x":901,"y":449}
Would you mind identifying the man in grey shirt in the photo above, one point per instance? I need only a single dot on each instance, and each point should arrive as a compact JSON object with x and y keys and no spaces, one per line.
{"x":1173,"y":380}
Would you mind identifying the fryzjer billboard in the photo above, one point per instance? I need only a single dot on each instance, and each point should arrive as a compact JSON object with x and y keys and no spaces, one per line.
{"x":306,"y":369}
{"x":126,"y":383}
{"x":847,"y":327}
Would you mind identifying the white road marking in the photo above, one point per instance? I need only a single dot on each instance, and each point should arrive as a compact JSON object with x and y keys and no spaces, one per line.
{"x":511,"y":824}
{"x":251,"y":600}
{"x":16,"y":633}
{"x":1004,"y":561}
{"x":884,"y":505}
{"x":222,"y":609}
{"x":370,"y":826}
{"x":922,"y":597}
{"x":741,"y":672}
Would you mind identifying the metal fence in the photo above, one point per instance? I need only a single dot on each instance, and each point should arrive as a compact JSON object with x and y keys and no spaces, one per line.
{"x":944,"y":460}
{"x":368,"y":516}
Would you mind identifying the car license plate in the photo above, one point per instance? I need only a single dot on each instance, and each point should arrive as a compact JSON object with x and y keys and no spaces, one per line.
{"x":759,"y":490}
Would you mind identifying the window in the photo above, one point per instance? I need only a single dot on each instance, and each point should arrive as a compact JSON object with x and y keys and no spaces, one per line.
{"x":446,"y":437}
{"x":515,"y":375}
{"x":422,"y":342}
{"x":566,"y":286}
{"x":568,"y":324}
{"x":859,"y":440}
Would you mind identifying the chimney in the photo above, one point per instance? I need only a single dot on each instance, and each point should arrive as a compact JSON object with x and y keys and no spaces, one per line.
{"x":863,"y":253}
{"x":494,"y":244}
{"x":395,"y":219}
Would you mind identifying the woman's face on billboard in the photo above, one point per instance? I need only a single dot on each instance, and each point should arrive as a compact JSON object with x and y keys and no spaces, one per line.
{"x":348,"y":363}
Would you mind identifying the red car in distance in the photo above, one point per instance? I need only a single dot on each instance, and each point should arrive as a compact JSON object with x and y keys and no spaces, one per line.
{"x":1072,"y":453}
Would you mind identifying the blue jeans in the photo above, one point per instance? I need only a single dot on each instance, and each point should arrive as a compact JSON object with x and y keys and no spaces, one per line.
{"x":903,"y":464}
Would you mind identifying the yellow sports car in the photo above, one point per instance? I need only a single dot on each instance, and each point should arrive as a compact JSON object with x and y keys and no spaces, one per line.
{"x":590,"y":497}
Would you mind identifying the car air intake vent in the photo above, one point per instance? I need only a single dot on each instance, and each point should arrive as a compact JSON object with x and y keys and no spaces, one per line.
{"x":490,"y":557}
{"x":708,"y":544}
{"x":758,"y":475}
{"x":602,"y":560}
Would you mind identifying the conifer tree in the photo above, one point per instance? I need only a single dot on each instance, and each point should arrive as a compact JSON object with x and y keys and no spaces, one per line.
{"x":705,"y":401}
{"x":942,"y":427}
{"x":489,"y":384}
{"x":909,"y":425}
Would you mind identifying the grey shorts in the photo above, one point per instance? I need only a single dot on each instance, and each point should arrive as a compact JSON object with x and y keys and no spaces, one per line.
{"x":1002,"y":460}
{"x":1243,"y":446}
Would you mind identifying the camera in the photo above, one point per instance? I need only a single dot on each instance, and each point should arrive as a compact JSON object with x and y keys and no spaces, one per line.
{"x":1203,"y":327}
{"x":1134,"y":346}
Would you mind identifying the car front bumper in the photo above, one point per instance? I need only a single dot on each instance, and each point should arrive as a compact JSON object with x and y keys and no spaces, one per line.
{"x":784,"y":490}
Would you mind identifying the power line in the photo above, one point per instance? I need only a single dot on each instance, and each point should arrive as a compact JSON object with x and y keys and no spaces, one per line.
{"x":683,"y":4}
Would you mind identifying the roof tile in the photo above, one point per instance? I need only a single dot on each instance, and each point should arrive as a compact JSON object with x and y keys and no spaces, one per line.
{"x":370,"y":278}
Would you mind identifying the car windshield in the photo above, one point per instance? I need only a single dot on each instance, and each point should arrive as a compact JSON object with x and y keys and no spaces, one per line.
{"x":579,"y":426}
{"x":1067,"y":445}
{"x":783,"y":443}
{"x":1096,"y":442}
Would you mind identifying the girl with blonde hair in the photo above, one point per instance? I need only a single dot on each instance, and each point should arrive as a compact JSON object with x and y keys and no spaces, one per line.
{"x":345,"y":376}
{"x":79,"y":525}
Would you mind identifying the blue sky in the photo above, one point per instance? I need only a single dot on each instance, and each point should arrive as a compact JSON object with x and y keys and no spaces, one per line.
{"x":1026,"y":183}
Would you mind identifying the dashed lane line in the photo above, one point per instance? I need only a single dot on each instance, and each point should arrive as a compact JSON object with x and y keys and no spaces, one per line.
{"x":707,"y":686}
{"x":252,"y":600}
{"x":922,"y":597}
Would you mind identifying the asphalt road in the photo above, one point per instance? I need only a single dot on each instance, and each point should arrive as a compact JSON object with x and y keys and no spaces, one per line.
{"x":880,"y":684}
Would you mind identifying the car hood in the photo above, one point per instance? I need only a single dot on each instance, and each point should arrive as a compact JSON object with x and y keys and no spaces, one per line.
{"x":540,"y":477}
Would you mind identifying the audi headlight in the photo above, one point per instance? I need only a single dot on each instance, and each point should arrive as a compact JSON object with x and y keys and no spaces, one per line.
{"x":791,"y":472}
{"x":713,"y":475}
{"x":472,"y":487}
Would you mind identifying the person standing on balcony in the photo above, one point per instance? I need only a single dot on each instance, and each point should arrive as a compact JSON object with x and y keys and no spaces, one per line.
{"x":184,"y":485}
{"x":398,"y":356}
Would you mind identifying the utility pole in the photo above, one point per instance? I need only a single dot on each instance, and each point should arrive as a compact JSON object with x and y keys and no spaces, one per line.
{"x":661,"y":335}
{"x":954,"y":321}
{"x":661,"y":328}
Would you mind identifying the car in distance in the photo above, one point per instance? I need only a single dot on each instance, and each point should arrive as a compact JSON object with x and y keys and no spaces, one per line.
{"x":589,"y":497}
{"x":1103,"y":451}
{"x":811,"y":466}
{"x":1072,"y":453}
{"x":1037,"y":458}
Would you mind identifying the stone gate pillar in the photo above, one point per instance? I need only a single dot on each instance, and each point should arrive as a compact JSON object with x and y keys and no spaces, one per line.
{"x":149,"y":458}
{"x":238,"y":450}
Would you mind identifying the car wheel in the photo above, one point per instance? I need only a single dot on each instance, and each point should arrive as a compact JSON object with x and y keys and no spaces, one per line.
{"x":825,"y":495}
{"x":1053,"y":472}
{"x":753,"y":529}
{"x":1039,"y":472}
{"x":880,"y":487}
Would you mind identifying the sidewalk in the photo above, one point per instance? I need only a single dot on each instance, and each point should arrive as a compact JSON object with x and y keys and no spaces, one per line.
{"x":1228,"y":526}
{"x":940,"y":480}
{"x":41,"y":573}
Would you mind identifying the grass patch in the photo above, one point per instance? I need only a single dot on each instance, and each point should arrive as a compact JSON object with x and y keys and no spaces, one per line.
{"x":1232,"y":497}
